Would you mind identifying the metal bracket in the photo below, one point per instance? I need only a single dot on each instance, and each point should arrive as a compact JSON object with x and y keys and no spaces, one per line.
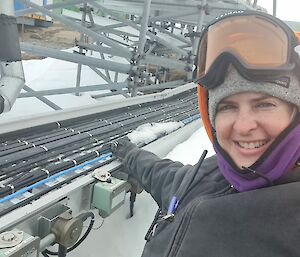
{"x":102,"y":175}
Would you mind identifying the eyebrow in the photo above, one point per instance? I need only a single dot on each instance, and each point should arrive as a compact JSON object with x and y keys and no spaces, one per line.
{"x":257,"y":99}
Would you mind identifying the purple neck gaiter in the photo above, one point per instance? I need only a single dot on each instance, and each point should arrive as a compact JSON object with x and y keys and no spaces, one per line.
{"x":278,"y":162}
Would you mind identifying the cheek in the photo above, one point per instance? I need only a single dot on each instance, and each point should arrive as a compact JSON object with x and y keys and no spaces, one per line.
{"x":274,"y":124}
{"x":223,"y":129}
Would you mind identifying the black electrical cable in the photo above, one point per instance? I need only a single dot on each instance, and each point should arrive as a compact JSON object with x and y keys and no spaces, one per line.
{"x":17,"y":167}
{"x":80,"y":160}
{"x":58,"y":185}
{"x":62,"y":251}
{"x":45,"y":255}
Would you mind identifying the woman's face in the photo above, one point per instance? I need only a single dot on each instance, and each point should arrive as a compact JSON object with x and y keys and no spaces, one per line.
{"x":247,"y":123}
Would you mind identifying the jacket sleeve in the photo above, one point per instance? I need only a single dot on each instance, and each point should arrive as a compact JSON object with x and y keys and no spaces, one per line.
{"x":159,"y":177}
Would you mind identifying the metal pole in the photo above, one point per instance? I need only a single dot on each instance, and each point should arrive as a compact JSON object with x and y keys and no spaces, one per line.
{"x":199,"y":25}
{"x":47,"y":241}
{"x":106,"y":70}
{"x":274,"y":8}
{"x":41,"y":98}
{"x":142,"y":42}
{"x":76,"y":58}
{"x":116,"y":77}
{"x":196,"y":40}
{"x":83,"y":19}
{"x":144,"y":26}
{"x":254,"y":4}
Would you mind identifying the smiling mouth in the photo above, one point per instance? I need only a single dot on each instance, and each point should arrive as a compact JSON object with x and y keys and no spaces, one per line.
{"x":252,"y":145}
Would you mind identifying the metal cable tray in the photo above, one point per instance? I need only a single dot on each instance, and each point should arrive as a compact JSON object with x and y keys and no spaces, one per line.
{"x":30,"y":156}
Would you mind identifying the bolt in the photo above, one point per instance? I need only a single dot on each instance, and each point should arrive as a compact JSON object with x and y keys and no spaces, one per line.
{"x":8,"y":237}
{"x":74,"y":233}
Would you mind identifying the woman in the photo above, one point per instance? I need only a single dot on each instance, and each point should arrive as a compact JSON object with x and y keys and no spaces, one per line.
{"x":244,"y":201}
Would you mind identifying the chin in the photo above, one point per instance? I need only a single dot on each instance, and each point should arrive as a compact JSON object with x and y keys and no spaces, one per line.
{"x":247,"y":163}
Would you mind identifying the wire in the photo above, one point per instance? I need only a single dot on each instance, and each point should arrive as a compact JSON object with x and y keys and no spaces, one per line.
{"x":269,"y":181}
{"x":26,"y":189}
{"x":44,"y":254}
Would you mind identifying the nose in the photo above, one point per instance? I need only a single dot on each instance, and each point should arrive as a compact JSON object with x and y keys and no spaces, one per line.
{"x":245,"y":122}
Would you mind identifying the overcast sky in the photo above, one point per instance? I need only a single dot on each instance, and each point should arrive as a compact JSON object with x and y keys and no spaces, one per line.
{"x":286,"y":9}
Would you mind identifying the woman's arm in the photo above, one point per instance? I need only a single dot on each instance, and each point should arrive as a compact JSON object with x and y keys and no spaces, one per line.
{"x":159,"y":177}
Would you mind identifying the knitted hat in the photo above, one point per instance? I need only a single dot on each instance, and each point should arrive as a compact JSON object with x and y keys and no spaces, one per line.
{"x":234,"y":83}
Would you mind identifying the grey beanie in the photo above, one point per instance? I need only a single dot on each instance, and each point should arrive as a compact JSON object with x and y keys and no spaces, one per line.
{"x":234,"y":83}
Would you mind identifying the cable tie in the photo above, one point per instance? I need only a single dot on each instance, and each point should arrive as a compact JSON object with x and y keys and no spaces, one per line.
{"x":98,"y":154}
{"x":12,"y":188}
{"x":32,"y":144}
{"x":58,"y":124}
{"x":89,"y":134}
{"x":26,"y":143}
{"x":47,"y":172}
{"x":75,"y":162}
{"x":44,"y":147}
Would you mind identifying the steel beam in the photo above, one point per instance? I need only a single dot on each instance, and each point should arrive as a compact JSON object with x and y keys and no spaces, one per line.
{"x":105,"y":77}
{"x":41,"y":98}
{"x":164,"y":62}
{"x":171,"y":16}
{"x":76,"y":58}
{"x":274,"y":8}
{"x":83,"y":18}
{"x":105,"y":50}
{"x":71,"y":90}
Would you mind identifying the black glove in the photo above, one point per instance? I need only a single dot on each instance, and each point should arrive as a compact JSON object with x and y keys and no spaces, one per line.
{"x":121,"y":147}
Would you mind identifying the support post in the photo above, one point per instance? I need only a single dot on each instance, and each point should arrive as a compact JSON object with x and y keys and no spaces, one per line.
{"x":79,"y":67}
{"x":141,"y":46}
{"x":274,"y":8}
{"x":196,"y":40}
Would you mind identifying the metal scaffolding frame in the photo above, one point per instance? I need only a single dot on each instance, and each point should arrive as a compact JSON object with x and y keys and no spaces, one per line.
{"x":154,"y":22}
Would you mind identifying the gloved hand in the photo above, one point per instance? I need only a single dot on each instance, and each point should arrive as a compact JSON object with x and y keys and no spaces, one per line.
{"x":121,"y":147}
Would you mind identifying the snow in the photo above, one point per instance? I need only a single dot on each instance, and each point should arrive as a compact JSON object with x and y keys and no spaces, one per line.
{"x":146,"y":133}
{"x":190,"y":151}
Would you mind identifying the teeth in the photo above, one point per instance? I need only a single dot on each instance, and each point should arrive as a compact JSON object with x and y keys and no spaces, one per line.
{"x":252,"y":145}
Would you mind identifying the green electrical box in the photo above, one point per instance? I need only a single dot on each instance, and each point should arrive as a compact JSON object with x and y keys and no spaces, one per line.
{"x":109,"y":196}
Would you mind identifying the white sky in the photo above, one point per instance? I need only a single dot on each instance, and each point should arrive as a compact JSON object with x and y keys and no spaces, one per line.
{"x":286,"y":9}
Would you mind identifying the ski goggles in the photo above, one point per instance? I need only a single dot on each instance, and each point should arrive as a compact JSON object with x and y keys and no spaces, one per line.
{"x":260,"y":46}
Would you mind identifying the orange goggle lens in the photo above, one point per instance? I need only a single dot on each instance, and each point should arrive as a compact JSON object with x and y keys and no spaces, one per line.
{"x":256,"y":42}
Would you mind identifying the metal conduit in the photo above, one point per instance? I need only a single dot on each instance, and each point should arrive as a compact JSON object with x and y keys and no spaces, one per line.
{"x":27,"y":158}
